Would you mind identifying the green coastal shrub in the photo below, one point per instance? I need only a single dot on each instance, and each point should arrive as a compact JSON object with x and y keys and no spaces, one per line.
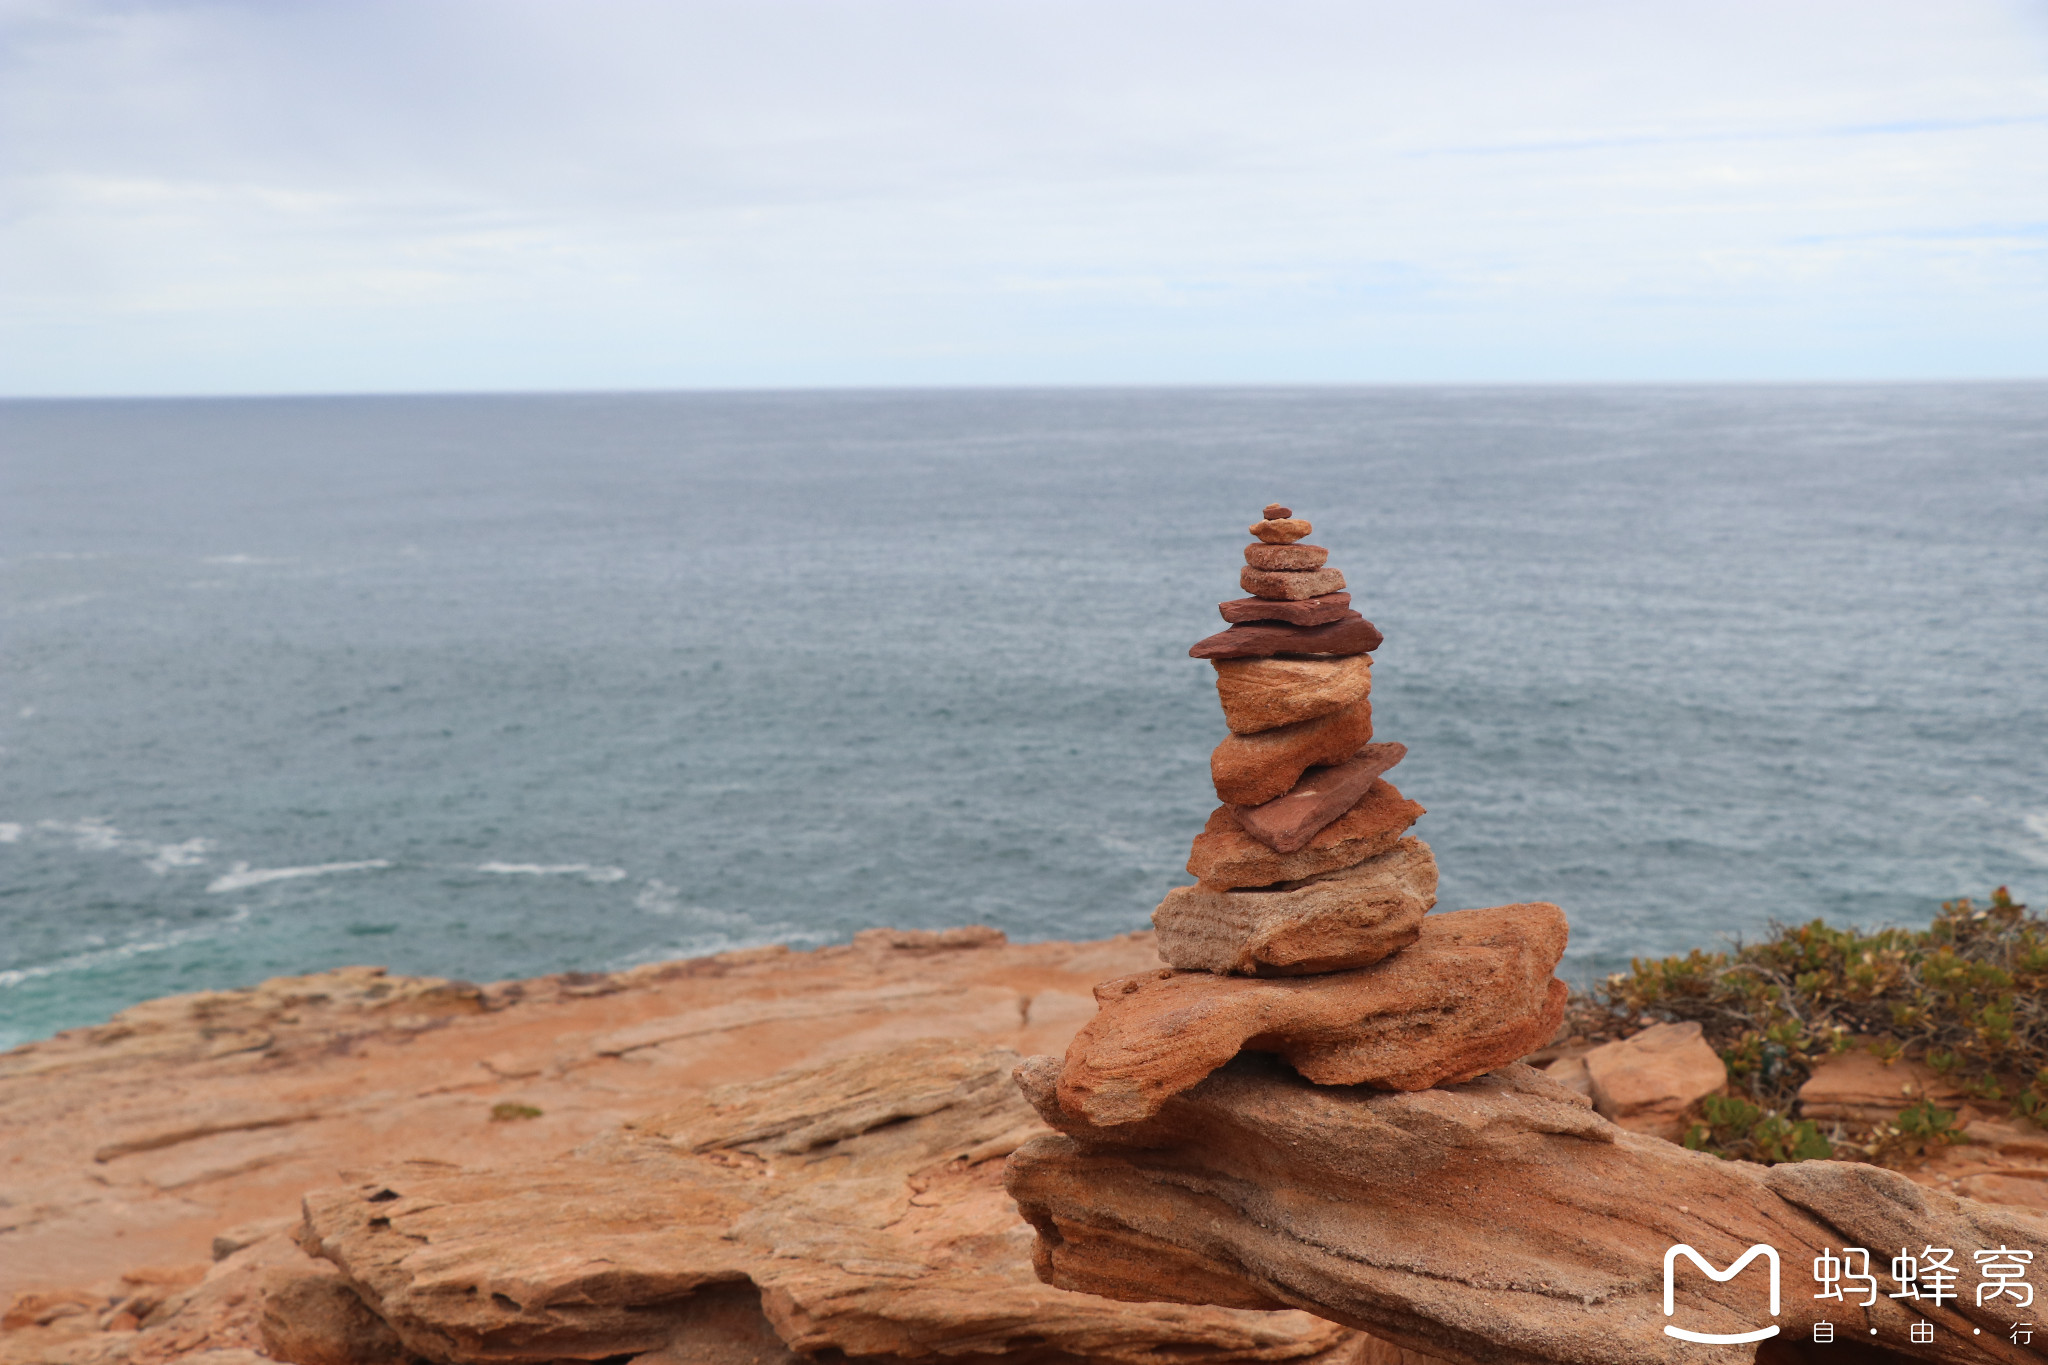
{"x":1965,"y":995}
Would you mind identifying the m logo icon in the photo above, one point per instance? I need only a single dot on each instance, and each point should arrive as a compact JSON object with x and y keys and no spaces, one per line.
{"x":1721,"y":1338}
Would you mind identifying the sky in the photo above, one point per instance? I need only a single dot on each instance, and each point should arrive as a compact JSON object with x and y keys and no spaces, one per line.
{"x":289,"y":196}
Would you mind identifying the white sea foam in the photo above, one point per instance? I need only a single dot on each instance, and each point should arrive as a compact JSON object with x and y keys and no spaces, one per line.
{"x":10,"y":833}
{"x":241,"y":876}
{"x":96,"y":834}
{"x":191,"y":853}
{"x":658,"y":898}
{"x":586,"y":871}
{"x":2036,"y":823}
{"x":240,"y":559}
{"x":160,"y":941}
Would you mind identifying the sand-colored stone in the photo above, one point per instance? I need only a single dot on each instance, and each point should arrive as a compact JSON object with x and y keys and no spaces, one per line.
{"x":1349,"y":634}
{"x":1649,"y":1081}
{"x":1348,"y":918}
{"x":1310,"y":611}
{"x":1857,"y":1087}
{"x":1497,"y":1221}
{"x":1225,"y":856}
{"x":1474,"y":992}
{"x":1251,"y":769}
{"x":851,"y":1210}
{"x":1290,"y":587}
{"x":1285,"y":558}
{"x":1280,"y":530}
{"x":1265,"y":694}
{"x":1287,"y":822}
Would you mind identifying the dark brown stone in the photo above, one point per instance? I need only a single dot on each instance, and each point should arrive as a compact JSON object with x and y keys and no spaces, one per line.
{"x":1311,"y":611}
{"x":1285,"y":558}
{"x":1275,"y":512}
{"x":1352,"y":634}
{"x":1286,"y":823}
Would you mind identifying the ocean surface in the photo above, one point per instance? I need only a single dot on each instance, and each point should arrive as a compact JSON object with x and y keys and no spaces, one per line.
{"x":497,"y":686}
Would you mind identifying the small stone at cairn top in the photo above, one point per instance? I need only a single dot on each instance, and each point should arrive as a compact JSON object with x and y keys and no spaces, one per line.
{"x":1275,"y":512}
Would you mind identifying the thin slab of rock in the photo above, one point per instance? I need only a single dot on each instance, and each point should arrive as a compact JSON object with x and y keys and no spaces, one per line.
{"x":1350,"y":634}
{"x":1498,"y":1221}
{"x":1264,"y":694}
{"x":1251,"y":769}
{"x":1285,"y":558}
{"x":847,"y":1211}
{"x":1290,"y":586}
{"x":1310,"y":611}
{"x":1473,"y":993}
{"x":1224,"y":855}
{"x":1349,"y":918}
{"x":1286,"y":823}
{"x":1281,"y":530}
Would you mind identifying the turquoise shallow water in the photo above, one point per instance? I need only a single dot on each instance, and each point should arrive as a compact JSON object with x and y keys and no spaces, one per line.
{"x":498,"y":686}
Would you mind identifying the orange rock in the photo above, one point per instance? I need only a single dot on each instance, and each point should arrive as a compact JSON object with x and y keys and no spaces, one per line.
{"x":1281,"y":530}
{"x":1277,"y":512}
{"x":1225,"y":856}
{"x":1250,"y":770}
{"x":1290,"y":587}
{"x":1348,"y":918}
{"x":1500,"y":1220}
{"x":1649,"y":1082}
{"x":1285,"y":558}
{"x":1473,"y":993}
{"x":1286,"y":823}
{"x":1310,"y":611}
{"x":1264,"y":694}
{"x":1856,"y":1087}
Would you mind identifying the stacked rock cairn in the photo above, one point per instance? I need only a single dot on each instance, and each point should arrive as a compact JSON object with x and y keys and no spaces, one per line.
{"x":1308,"y":934}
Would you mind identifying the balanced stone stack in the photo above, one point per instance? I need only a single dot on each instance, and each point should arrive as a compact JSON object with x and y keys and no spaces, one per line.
{"x":1308,"y":932}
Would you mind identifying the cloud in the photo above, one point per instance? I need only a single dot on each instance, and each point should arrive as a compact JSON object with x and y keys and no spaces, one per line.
{"x":247,"y":197}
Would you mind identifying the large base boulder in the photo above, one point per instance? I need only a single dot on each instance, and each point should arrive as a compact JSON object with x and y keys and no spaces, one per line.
{"x":1499,"y":1222}
{"x":1474,"y":992}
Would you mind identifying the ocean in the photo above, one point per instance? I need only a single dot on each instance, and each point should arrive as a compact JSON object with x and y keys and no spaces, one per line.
{"x":497,"y":686}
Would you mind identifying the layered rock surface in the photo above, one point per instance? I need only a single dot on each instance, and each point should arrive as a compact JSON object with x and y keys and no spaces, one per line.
{"x":1501,"y":1220}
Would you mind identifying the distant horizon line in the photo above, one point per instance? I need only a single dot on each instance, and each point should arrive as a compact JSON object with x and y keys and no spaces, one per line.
{"x":1101,"y":386}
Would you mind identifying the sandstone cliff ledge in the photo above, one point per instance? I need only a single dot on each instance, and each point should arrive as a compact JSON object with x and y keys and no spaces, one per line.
{"x":641,"y":1193}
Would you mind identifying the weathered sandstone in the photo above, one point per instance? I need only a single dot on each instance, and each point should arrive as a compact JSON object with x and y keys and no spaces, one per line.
{"x":1290,"y":587}
{"x":1264,"y":694}
{"x":1251,"y":769}
{"x":1225,"y":856}
{"x":1280,"y":530}
{"x":1275,"y":511}
{"x":1349,"y":918}
{"x":1310,"y":611}
{"x":1649,"y":1082}
{"x":1859,"y":1088}
{"x":1285,"y":558}
{"x":1286,"y":823}
{"x":1473,"y":993}
{"x":850,"y":1210}
{"x":1350,"y":634}
{"x":1497,"y":1221}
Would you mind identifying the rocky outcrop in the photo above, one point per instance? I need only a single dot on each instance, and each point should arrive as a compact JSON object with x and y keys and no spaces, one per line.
{"x":1501,"y":1220}
{"x":851,"y":1210}
{"x":1859,"y":1088}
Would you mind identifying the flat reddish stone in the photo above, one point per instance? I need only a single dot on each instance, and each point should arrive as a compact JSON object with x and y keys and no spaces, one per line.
{"x":1474,"y":992}
{"x":1290,"y":586}
{"x":1352,"y":634}
{"x":1265,"y":694}
{"x":1286,"y":823}
{"x":1255,"y":768}
{"x":1310,"y":611}
{"x":1281,"y":530}
{"x":1285,"y":558}
{"x":1224,"y":855}
{"x":1275,"y":512}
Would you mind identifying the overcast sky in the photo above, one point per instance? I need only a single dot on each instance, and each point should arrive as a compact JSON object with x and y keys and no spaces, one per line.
{"x":270,"y":196}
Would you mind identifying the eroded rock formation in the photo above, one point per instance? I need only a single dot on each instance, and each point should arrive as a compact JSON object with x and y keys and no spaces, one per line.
{"x":1499,"y":1221}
